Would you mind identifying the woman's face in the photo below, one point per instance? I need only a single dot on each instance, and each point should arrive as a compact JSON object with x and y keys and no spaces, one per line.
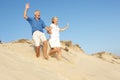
{"x":56,"y":20}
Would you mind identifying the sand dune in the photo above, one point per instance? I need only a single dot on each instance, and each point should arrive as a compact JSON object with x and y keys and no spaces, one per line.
{"x":109,"y":57}
{"x":18,"y":62}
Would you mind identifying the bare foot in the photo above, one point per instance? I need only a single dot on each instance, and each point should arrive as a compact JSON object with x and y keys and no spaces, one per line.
{"x":37,"y":55}
{"x":59,"y":57}
{"x":46,"y":57}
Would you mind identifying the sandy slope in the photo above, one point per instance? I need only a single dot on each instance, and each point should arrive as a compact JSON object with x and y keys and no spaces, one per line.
{"x":18,"y":62}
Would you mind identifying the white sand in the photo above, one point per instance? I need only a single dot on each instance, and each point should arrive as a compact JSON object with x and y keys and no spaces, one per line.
{"x":18,"y":62}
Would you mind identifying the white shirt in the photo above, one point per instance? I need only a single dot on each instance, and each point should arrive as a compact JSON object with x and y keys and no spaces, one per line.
{"x":55,"y":31}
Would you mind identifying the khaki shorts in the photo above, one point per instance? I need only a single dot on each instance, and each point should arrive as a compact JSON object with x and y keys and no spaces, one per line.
{"x":38,"y":37}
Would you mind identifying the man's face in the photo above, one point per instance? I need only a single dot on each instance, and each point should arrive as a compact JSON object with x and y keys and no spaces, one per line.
{"x":37,"y":14}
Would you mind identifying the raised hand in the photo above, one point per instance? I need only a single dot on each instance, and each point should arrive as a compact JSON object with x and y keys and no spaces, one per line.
{"x":27,"y":6}
{"x":67,"y":25}
{"x":26,"y":9}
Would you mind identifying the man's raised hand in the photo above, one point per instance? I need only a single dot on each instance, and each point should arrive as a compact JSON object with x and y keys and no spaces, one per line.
{"x":27,"y":6}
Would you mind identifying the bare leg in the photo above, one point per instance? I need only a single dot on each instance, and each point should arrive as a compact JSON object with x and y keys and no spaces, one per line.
{"x":52,"y":51}
{"x":45,"y":50}
{"x":37,"y":49}
{"x":59,"y":55}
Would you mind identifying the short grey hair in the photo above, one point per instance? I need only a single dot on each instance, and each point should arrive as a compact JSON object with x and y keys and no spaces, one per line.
{"x":54,"y":18}
{"x":36,"y":11}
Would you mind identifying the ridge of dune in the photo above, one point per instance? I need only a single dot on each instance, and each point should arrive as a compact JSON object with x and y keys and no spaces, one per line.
{"x":107,"y":56}
{"x":18,"y":62}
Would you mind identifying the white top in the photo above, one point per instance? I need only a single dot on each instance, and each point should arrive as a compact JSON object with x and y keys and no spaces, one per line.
{"x":55,"y":31}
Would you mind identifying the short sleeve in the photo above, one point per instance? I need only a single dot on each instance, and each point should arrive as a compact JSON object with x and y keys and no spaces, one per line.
{"x":43,"y":24}
{"x":59,"y":28}
{"x":29,"y":19}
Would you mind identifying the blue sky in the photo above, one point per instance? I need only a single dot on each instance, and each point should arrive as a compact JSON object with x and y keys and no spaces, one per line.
{"x":94,"y":24}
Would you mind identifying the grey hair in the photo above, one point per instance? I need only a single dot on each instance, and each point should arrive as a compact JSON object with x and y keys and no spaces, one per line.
{"x":36,"y":11}
{"x":54,"y":18}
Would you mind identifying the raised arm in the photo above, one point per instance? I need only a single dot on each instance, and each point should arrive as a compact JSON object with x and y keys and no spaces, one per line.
{"x":26,"y":9}
{"x":66,"y":27}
